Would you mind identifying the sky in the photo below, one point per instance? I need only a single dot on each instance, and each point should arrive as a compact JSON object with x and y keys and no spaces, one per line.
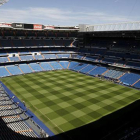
{"x":70,"y":12}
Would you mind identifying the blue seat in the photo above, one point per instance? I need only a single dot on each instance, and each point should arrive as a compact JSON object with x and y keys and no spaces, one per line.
{"x":79,"y":67}
{"x":73,"y":64}
{"x":37,"y":57}
{"x":113,"y":74}
{"x":137,"y":85}
{"x":27,"y":57}
{"x":36,"y":67}
{"x":15,"y":59}
{"x":64,"y":64}
{"x":130,"y":78}
{"x":25,"y":68}
{"x":55,"y":65}
{"x":63,"y":55}
{"x":98,"y":71}
{"x":3,"y":59}
{"x":3,"y":72}
{"x":14,"y":70}
{"x":49,"y":56}
{"x":79,"y":56}
{"x":90,"y":58}
{"x":46,"y":66}
{"x":87,"y":69}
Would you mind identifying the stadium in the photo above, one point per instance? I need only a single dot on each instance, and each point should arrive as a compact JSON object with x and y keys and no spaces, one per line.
{"x":69,"y":82}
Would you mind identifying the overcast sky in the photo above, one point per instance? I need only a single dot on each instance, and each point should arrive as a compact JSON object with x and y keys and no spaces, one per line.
{"x":70,"y":12}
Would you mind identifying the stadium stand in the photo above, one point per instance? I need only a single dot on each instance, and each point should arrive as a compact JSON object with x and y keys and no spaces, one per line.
{"x":73,"y":64}
{"x":14,"y":122}
{"x":35,"y":67}
{"x":25,"y":68}
{"x":37,"y":57}
{"x":46,"y":66}
{"x":55,"y":65}
{"x":97,"y":71}
{"x":79,"y":67}
{"x":50,"y":56}
{"x":26,"y":58}
{"x":63,"y":55}
{"x":14,"y":70}
{"x":130,"y":78}
{"x":64,"y":64}
{"x":3,"y":59}
{"x":3,"y":72}
{"x":113,"y":74}
{"x":14,"y":59}
{"x":87,"y":69}
{"x":105,"y":55}
{"x":137,"y":85}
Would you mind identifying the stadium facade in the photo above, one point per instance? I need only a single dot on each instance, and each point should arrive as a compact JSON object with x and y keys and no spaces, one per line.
{"x":107,"y":52}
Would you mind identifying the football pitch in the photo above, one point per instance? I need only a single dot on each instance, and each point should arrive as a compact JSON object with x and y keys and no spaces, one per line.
{"x":64,"y":100}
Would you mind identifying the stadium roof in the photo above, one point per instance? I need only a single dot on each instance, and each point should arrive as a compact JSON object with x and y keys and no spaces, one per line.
{"x":126,"y":26}
{"x":3,"y":2}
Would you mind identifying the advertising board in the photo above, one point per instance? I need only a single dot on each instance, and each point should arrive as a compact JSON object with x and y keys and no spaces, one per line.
{"x":37,"y":27}
{"x":18,"y":25}
{"x":5,"y":25}
{"x":49,"y":27}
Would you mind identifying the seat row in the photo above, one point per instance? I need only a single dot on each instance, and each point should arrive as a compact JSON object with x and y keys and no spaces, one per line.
{"x":33,"y":57}
{"x":126,"y":78}
{"x":32,"y":67}
{"x":11,"y":122}
{"x":111,"y":60}
{"x":130,"y":79}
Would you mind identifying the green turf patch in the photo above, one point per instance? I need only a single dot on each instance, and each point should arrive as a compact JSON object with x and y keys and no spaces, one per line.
{"x":65,"y":100}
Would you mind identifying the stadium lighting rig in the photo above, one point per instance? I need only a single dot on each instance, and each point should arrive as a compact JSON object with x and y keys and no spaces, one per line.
{"x":3,"y":2}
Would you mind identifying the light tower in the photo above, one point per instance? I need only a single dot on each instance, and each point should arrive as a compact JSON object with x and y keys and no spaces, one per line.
{"x":3,"y":2}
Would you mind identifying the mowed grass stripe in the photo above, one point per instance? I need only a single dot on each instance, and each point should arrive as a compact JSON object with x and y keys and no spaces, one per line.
{"x":64,"y":99}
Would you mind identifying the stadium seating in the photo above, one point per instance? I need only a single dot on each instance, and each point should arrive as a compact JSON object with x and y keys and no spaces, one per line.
{"x":25,"y":68}
{"x":2,"y":52}
{"x":49,"y":56}
{"x":14,"y":70}
{"x":98,"y":71}
{"x":3,"y":59}
{"x":87,"y":69}
{"x":55,"y":65}
{"x":80,"y":56}
{"x":73,"y":64}
{"x":133,"y":64}
{"x":137,"y":85}
{"x":91,"y":58}
{"x":14,"y":59}
{"x":79,"y":67}
{"x":109,"y":55}
{"x":3,"y":72}
{"x":37,"y":57}
{"x":46,"y":66}
{"x":26,"y":57}
{"x":14,"y":122}
{"x":36,"y":67}
{"x":63,"y":55}
{"x":24,"y":52}
{"x":130,"y":78}
{"x":109,"y":60}
{"x":113,"y":74}
{"x":64,"y":64}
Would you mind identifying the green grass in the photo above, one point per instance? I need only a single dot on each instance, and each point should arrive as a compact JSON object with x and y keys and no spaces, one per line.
{"x":65,"y":100}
